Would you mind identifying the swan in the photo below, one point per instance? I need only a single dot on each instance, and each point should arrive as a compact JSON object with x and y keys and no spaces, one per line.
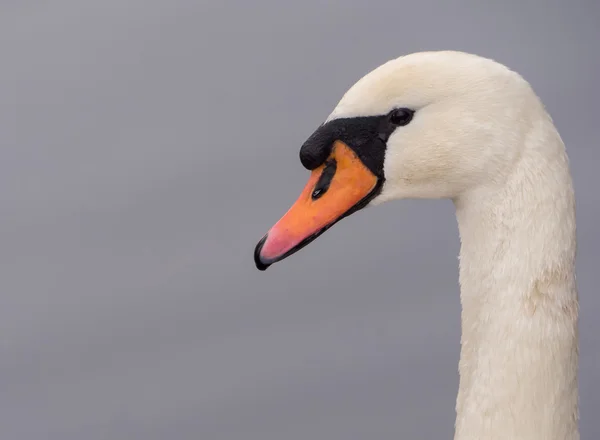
{"x":449,"y":124}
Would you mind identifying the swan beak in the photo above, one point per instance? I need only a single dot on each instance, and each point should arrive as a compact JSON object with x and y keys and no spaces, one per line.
{"x":336,"y":189}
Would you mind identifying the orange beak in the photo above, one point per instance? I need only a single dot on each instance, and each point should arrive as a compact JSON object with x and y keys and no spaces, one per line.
{"x":337,"y":188}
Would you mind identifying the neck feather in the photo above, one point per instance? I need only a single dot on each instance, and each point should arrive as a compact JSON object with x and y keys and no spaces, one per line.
{"x":519,"y":352}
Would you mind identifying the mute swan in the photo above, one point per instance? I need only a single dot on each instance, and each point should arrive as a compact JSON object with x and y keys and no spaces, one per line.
{"x":455,"y":125}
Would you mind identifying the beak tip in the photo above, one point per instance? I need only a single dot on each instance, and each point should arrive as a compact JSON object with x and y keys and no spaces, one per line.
{"x":261,"y":264}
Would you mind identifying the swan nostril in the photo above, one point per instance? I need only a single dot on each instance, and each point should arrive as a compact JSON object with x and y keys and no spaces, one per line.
{"x":325,"y":180}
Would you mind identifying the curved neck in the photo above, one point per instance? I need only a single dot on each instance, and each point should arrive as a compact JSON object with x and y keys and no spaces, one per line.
{"x":519,"y":352}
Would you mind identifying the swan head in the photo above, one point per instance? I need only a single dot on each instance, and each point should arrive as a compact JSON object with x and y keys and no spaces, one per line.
{"x":425,"y":125}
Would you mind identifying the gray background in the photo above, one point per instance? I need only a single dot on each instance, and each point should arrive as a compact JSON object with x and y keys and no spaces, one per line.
{"x":146,"y":147}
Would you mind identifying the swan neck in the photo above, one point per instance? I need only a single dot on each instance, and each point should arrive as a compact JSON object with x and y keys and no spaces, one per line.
{"x":519,"y":353}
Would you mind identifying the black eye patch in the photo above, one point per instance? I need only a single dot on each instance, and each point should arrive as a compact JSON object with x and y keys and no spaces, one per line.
{"x":365,"y":135}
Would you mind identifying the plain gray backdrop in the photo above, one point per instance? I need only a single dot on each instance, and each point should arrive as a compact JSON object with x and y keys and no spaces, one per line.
{"x":148,"y":145}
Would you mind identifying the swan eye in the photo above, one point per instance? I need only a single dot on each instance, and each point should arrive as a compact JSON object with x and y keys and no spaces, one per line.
{"x":401,"y":116}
